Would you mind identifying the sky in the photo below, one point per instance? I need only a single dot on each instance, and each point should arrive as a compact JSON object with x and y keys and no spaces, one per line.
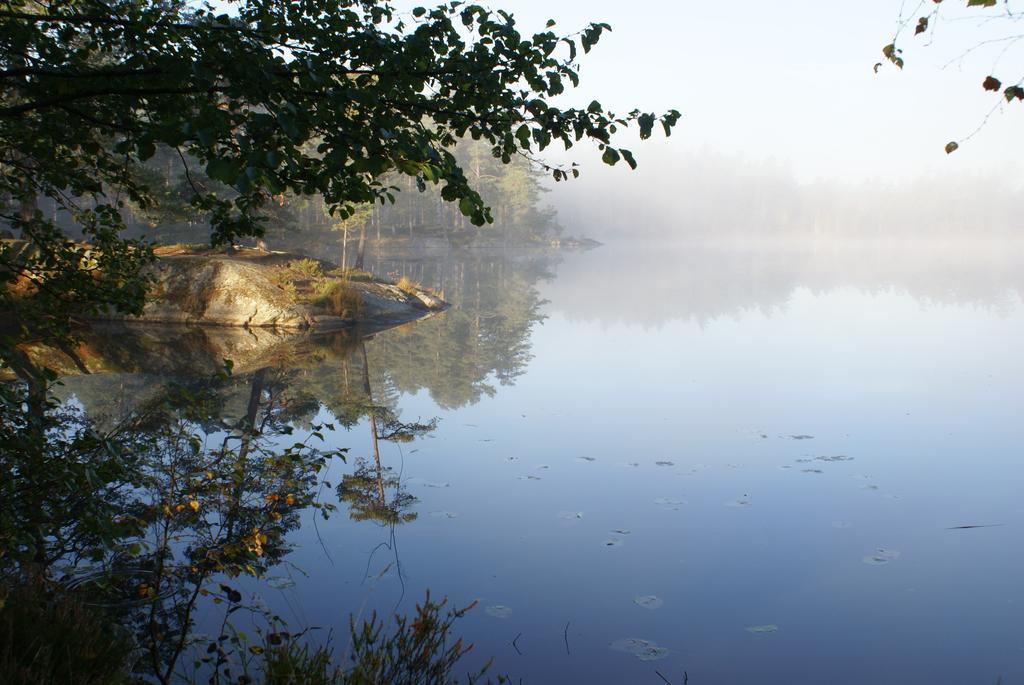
{"x":791,"y":83}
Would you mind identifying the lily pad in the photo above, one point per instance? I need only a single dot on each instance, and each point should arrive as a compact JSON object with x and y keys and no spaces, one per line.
{"x":280,"y":582}
{"x":648,"y":601}
{"x":644,"y":650}
{"x":763,"y":630}
{"x":499,"y":611}
{"x":881,"y":556}
{"x":669,"y":503}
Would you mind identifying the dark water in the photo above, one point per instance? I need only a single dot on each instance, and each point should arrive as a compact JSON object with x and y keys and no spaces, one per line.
{"x":754,"y":459}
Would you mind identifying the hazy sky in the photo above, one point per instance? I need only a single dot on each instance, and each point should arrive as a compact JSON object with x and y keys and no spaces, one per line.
{"x":791,"y":81}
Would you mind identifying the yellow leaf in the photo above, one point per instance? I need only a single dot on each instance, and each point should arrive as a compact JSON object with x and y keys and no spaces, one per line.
{"x":194,"y":504}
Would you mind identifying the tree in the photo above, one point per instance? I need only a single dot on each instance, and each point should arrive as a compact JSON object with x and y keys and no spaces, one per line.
{"x":357,"y":219}
{"x":91,"y":89}
{"x":998,"y":18}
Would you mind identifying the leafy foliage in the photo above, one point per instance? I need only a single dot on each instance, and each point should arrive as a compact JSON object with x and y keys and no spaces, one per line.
{"x":993,"y":15}
{"x":316,"y":97}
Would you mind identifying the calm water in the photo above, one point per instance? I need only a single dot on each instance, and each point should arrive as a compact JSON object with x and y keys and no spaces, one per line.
{"x":752,"y":458}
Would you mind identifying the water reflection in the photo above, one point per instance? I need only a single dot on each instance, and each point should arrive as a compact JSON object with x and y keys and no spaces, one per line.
{"x":703,"y":281}
{"x":201,"y":449}
{"x":802,"y":431}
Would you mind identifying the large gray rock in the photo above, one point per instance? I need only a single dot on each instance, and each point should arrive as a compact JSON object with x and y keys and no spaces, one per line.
{"x":221,"y":290}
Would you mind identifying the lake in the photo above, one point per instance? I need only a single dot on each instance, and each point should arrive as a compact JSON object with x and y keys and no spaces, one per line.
{"x":745,"y":463}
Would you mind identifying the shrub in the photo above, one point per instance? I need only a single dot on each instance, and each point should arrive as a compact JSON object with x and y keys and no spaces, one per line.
{"x":341,"y":299}
{"x":307,"y":268}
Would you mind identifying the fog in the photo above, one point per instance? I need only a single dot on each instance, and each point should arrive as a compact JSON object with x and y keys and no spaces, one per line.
{"x":702,"y":195}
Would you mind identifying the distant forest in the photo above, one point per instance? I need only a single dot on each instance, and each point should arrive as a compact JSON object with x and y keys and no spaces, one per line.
{"x":513,"y":191}
{"x":705,"y":195}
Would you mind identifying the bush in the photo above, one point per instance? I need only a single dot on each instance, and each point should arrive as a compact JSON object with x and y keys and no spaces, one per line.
{"x":308,"y":268}
{"x":341,"y":299}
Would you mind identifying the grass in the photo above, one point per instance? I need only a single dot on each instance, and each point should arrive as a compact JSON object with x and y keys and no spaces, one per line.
{"x":407,"y":286}
{"x":340,"y":299}
{"x":52,"y":637}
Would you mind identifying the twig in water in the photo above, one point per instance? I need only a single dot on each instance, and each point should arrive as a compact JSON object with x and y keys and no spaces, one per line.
{"x":686,"y":677}
{"x":565,"y":634}
{"x":663,"y":677}
{"x":517,"y":646}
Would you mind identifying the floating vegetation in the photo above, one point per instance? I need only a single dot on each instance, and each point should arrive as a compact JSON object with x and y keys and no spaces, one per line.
{"x":570,"y":515}
{"x":741,"y":502}
{"x":648,"y":601}
{"x":834,"y":457}
{"x":499,"y":611}
{"x":763,"y":630}
{"x":811,"y":471}
{"x":881,"y":556}
{"x":613,"y":542}
{"x":669,"y":503}
{"x":444,"y":514}
{"x":664,"y":463}
{"x":280,"y":582}
{"x":644,"y":650}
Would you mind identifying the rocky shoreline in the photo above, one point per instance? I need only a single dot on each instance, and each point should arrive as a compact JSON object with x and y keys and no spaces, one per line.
{"x":256,"y":289}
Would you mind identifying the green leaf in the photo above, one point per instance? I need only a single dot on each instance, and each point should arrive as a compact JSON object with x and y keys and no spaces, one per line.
{"x":222,"y":170}
{"x":610,"y":156}
{"x":628,"y":156}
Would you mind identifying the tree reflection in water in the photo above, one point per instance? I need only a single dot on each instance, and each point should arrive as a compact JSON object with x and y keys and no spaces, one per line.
{"x":135,"y":494}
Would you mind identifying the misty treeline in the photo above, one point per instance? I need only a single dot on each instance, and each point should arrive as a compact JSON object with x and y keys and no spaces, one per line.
{"x":513,"y":191}
{"x":709,"y":196}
